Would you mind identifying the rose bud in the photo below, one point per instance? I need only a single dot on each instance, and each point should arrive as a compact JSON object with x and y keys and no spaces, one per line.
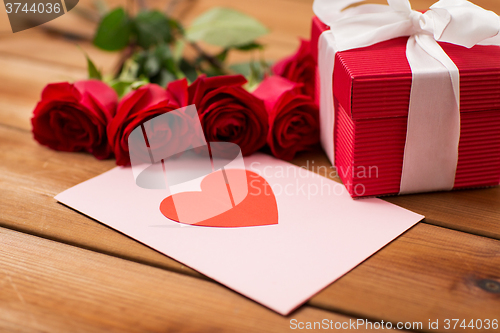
{"x":135,"y":109}
{"x":227,"y":111}
{"x":73,"y":117}
{"x":293,"y":117}
{"x":299,"y":67}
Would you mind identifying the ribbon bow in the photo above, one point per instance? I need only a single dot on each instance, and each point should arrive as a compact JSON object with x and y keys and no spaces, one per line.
{"x":435,"y":99}
{"x":455,"y":21}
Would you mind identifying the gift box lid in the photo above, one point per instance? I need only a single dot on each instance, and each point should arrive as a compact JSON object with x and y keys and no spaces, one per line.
{"x":375,"y":81}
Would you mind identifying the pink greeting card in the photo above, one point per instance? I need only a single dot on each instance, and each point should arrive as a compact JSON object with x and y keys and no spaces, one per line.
{"x":286,"y":236}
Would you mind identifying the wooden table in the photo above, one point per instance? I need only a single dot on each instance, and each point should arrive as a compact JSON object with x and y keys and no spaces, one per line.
{"x":63,"y":272}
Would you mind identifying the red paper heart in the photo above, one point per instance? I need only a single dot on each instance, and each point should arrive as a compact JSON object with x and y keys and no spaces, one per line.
{"x":258,"y":208}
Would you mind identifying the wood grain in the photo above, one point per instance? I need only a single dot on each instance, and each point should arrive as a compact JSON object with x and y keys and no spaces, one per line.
{"x":424,"y":262}
{"x":30,"y":177}
{"x":47,"y":286}
{"x":473,"y":211}
{"x":24,"y":74}
{"x":52,"y":49}
{"x":428,"y":273}
{"x":21,"y":83}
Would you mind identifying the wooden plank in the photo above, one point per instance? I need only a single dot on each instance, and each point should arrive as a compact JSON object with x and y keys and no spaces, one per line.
{"x":428,"y":273}
{"x":426,"y":261}
{"x":30,"y":177}
{"x":390,"y":284}
{"x":472,"y":211}
{"x":51,"y":287}
{"x":475,"y":211}
{"x":21,"y":83}
{"x":37,"y":45}
{"x":73,"y":23}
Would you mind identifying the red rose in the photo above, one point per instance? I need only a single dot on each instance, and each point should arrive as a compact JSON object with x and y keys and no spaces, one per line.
{"x":299,"y":67}
{"x":138,"y":107}
{"x":293,"y":117}
{"x":73,"y":117}
{"x":227,"y":111}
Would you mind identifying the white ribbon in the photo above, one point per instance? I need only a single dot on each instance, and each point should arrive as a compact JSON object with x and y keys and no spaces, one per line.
{"x":433,"y":133}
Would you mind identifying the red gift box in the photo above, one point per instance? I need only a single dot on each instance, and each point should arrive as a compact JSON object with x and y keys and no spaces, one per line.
{"x":371,"y":89}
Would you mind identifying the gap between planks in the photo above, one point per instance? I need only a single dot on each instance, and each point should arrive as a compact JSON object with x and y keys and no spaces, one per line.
{"x":449,"y":263}
{"x":480,"y":211}
{"x":48,"y":286}
{"x":403,"y":287}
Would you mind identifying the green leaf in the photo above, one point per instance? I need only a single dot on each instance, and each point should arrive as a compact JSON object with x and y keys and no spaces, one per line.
{"x":225,"y":27}
{"x":164,"y":77}
{"x":167,"y":61}
{"x":253,"y":71}
{"x":130,"y":70}
{"x":158,"y":65}
{"x":188,"y":69}
{"x":151,"y":65}
{"x":152,"y":27}
{"x":241,"y":68}
{"x":250,"y":46}
{"x":94,"y":73}
{"x":223,"y":55}
{"x":123,"y":87}
{"x":114,"y":31}
{"x":176,"y":26}
{"x":179,"y":50}
{"x":138,"y":84}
